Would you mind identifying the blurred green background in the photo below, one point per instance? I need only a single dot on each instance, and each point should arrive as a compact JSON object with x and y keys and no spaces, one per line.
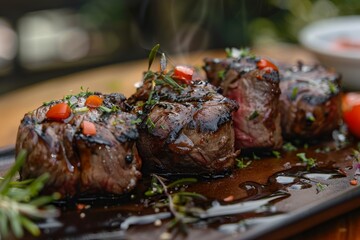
{"x":42,"y":39}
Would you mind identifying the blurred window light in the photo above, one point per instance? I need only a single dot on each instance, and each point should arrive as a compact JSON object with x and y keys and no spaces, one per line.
{"x":50,"y":37}
{"x":8,"y":46}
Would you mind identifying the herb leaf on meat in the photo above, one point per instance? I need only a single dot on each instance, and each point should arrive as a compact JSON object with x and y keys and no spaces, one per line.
{"x":152,"y":55}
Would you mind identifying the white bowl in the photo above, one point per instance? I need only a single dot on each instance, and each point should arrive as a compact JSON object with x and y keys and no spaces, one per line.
{"x":324,"y":39}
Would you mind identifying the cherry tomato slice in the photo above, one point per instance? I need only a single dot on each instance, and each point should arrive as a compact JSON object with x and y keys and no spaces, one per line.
{"x":93,"y":101}
{"x":58,"y":112}
{"x":88,"y":128}
{"x":183,"y":73}
{"x":266,"y":64}
{"x":351,"y":112}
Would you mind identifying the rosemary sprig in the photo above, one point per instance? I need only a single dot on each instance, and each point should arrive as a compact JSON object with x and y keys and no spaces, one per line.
{"x":19,"y":202}
{"x":180,"y":204}
{"x":159,"y":78}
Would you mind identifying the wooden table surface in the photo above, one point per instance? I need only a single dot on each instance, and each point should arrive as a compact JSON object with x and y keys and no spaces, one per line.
{"x":121,"y":78}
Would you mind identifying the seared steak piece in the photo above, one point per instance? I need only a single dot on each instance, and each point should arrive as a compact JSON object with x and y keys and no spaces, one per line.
{"x":310,"y":102}
{"x":254,"y":84}
{"x":88,"y":148}
{"x":185,"y":131}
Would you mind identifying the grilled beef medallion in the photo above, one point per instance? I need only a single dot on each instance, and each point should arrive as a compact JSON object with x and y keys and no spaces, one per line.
{"x":86,"y":142}
{"x":185,"y":131}
{"x":254,"y":84}
{"x":310,"y":102}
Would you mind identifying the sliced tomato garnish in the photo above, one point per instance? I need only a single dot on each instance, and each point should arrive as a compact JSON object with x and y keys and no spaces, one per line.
{"x":183,"y":73}
{"x":58,"y":112}
{"x":351,"y":112}
{"x":93,"y":101}
{"x":266,"y":64}
{"x":88,"y":128}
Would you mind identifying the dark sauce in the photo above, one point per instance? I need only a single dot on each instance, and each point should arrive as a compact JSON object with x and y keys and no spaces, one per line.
{"x":262,"y":193}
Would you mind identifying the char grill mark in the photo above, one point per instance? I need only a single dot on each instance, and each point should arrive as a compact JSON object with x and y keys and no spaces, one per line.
{"x":186,"y":132}
{"x":310,"y":102}
{"x":257,"y":121}
{"x":79,"y":163}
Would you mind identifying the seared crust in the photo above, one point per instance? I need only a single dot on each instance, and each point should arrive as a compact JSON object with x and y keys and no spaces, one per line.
{"x":257,"y":121}
{"x":186,"y":131}
{"x":79,"y":163}
{"x":310,"y":102}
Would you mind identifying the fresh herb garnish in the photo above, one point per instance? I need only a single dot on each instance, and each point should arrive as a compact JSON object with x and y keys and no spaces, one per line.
{"x":253,"y":115}
{"x":181,"y":204}
{"x":310,"y":117}
{"x":150,"y":124}
{"x":152,"y":55}
{"x":106,"y":109}
{"x":48,"y":103}
{"x":159,"y":78}
{"x":309,"y":162}
{"x":19,"y":202}
{"x":83,"y":93}
{"x":81,"y":110}
{"x":323,"y":150}
{"x":294,"y":93}
{"x":255,"y":157}
{"x":136,"y":121}
{"x":221,"y":74}
{"x":332,"y":87}
{"x":320,"y":187}
{"x":289,"y":147}
{"x":276,"y":154}
{"x":240,"y":163}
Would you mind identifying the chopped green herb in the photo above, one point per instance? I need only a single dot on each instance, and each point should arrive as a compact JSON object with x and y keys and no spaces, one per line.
{"x":294,"y":93}
{"x":136,"y":121}
{"x":140,"y":103}
{"x":310,"y":117}
{"x":81,"y":110}
{"x":83,"y":93}
{"x":253,"y":115}
{"x":289,"y":147}
{"x":309,"y":162}
{"x":118,"y":121}
{"x":240,"y":163}
{"x":276,"y":154}
{"x":105,"y":109}
{"x":150,"y":124}
{"x":48,"y":103}
{"x":221,"y":74}
{"x":332,"y":87}
{"x":356,"y":155}
{"x":255,"y":157}
{"x":323,"y":150}
{"x":320,"y":187}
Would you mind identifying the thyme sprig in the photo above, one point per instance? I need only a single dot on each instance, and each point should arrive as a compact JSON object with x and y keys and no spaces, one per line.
{"x":20,"y":202}
{"x":181,"y":204}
